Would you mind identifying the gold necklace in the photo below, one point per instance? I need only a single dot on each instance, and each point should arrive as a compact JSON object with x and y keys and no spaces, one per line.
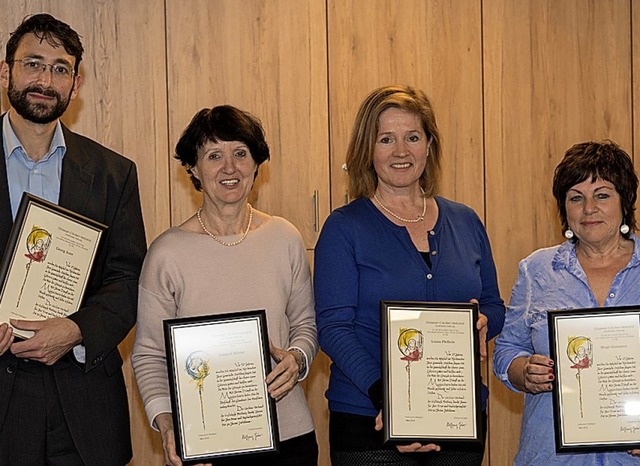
{"x":419,"y":218}
{"x":224,"y":243}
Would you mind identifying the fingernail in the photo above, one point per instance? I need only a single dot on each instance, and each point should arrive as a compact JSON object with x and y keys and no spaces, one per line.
{"x":550,"y":377}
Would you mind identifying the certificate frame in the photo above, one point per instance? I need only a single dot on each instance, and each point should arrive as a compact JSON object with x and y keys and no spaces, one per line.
{"x":48,"y":262}
{"x":231,"y":413}
{"x":596,"y":348}
{"x":442,"y":404}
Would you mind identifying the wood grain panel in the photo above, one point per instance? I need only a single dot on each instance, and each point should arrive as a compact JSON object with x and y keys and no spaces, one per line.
{"x":434,"y":46}
{"x":122,"y":104}
{"x":635,"y":79}
{"x":268,"y":58}
{"x":555,"y":73}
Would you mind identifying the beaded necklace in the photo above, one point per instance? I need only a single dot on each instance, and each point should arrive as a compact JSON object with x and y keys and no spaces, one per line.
{"x":224,"y":243}
{"x":419,"y":218}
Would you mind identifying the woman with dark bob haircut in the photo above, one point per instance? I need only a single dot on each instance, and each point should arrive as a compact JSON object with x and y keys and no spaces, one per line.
{"x":595,"y":187}
{"x":230,"y":257}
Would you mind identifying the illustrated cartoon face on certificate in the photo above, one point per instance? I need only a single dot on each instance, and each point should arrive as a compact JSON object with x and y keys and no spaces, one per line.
{"x":411,"y":345}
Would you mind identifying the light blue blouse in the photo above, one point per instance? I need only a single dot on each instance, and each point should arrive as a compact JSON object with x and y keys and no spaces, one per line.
{"x":552,"y":278}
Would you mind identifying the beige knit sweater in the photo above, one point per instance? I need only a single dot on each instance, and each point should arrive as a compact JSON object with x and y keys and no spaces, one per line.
{"x":189,"y":274}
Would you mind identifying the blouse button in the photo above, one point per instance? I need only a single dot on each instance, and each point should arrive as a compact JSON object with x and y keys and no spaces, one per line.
{"x":612,"y":295}
{"x":433,"y":253}
{"x":429,"y":276}
{"x":432,"y":233}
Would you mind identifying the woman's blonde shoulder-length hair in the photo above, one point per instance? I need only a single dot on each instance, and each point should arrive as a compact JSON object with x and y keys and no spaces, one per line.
{"x":362,"y":176}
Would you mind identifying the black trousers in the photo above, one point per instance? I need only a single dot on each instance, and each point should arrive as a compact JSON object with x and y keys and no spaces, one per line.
{"x":35,"y":432}
{"x":355,"y":442}
{"x":298,"y":451}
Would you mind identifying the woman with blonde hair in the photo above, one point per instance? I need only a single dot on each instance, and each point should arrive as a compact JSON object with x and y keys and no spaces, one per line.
{"x":397,"y":240}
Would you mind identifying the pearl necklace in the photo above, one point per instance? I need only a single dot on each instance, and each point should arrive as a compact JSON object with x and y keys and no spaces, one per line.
{"x":419,"y":218}
{"x":224,"y":243}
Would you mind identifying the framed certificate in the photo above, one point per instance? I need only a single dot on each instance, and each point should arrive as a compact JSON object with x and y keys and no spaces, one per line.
{"x":596,"y":391}
{"x":47,"y":263}
{"x":217,"y":369}
{"x":431,"y":373}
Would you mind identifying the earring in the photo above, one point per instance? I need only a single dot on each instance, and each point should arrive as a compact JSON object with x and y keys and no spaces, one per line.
{"x":624,"y":228}
{"x":568,"y":234}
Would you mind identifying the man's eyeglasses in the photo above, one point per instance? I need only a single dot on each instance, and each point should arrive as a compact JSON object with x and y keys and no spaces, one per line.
{"x":34,"y":67}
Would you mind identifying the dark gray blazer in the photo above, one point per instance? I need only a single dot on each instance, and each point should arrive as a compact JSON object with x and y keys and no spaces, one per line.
{"x":102,"y":185}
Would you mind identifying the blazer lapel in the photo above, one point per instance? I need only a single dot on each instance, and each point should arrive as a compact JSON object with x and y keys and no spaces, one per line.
{"x":77,"y":177}
{"x":6,"y":217}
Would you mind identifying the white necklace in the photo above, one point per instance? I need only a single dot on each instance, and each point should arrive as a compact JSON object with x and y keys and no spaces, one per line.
{"x":419,"y":218}
{"x":224,"y":243}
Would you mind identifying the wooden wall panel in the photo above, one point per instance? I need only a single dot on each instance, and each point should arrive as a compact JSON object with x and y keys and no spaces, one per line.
{"x":434,"y":46}
{"x":635,"y":79}
{"x":268,"y":58}
{"x":121,"y":104}
{"x":555,"y":73}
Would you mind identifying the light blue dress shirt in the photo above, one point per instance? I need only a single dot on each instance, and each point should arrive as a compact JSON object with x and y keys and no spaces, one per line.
{"x":41,"y":178}
{"x":552,"y":278}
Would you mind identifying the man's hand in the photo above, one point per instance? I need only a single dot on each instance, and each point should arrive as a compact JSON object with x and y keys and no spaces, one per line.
{"x":53,"y":339}
{"x":6,"y":337}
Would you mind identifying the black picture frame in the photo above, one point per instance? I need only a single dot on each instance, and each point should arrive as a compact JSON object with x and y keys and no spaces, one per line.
{"x":48,"y":262}
{"x":231,"y":413}
{"x":443,"y":405}
{"x":596,"y":388}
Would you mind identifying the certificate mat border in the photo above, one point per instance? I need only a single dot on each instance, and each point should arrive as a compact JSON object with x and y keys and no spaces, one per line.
{"x":169,"y":326}
{"x":28,"y":202}
{"x":553,"y":317}
{"x":386,"y":311}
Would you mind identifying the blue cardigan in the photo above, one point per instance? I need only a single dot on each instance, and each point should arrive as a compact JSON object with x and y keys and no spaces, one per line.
{"x":362,"y":258}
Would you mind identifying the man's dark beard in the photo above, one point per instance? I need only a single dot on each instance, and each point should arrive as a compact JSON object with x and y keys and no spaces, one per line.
{"x":37,"y":113}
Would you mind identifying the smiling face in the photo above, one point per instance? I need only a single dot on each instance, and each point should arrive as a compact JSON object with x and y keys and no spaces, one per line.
{"x":594,"y":212}
{"x":400,"y":152}
{"x":226,"y":170}
{"x":40,"y":97}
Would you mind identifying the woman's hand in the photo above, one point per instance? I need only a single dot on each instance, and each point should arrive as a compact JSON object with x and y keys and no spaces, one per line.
{"x":482,"y":327}
{"x":165,"y":425}
{"x":414,"y":447}
{"x":284,"y":376}
{"x":634,"y":452}
{"x":532,"y":374}
{"x":482,"y":335}
{"x":164,"y":421}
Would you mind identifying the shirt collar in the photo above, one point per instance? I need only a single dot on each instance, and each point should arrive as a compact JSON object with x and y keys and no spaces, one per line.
{"x":11,"y":141}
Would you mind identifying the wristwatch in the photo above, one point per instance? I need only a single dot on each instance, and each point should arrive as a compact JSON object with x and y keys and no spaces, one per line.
{"x":303,"y":359}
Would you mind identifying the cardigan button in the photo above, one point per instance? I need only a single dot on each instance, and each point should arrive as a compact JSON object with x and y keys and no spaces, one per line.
{"x":429,"y":276}
{"x":11,"y":369}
